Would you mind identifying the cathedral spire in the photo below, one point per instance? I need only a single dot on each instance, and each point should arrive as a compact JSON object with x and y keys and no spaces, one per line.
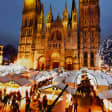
{"x":73,"y":8}
{"x":65,"y":7}
{"x":42,"y":12}
{"x":73,"y":5}
{"x":50,"y":16}
{"x":50,"y":10}
{"x":65,"y":10}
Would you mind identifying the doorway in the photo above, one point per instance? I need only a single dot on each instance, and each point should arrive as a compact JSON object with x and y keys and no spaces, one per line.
{"x":55,"y":65}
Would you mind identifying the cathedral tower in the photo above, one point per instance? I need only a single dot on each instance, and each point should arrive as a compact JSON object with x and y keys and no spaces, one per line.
{"x":89,"y":32}
{"x":71,"y":42}
{"x":30,"y":25}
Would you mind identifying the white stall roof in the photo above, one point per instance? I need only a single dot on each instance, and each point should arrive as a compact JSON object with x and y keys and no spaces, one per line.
{"x":107,"y":94}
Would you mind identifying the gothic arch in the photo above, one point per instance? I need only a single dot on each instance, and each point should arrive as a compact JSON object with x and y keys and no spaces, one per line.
{"x":41,"y":63}
{"x":56,"y":33}
{"x":69,"y":63}
{"x":55,"y":59}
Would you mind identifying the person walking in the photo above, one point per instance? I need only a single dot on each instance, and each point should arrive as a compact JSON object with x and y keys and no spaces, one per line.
{"x":16,"y":107}
{"x":39,"y":105}
{"x":75,"y":107}
{"x":5,"y":100}
{"x":45,"y":101}
{"x":19,"y":97}
{"x":0,"y":95}
{"x":70,"y":108}
{"x":89,"y":109}
{"x":75,"y":103}
{"x":27,"y":108}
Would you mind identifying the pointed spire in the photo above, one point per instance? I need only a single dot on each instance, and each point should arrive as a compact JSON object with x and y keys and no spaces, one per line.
{"x":73,"y":5}
{"x":65,"y":7}
{"x":42,"y":12}
{"x":50,"y":9}
{"x":50,"y":16}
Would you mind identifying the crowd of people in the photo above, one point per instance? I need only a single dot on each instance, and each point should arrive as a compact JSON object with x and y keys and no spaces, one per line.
{"x":73,"y":105}
{"x":13,"y":101}
{"x":34,"y":102}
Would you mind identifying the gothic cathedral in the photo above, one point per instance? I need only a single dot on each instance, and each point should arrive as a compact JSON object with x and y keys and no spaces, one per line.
{"x":71,"y":42}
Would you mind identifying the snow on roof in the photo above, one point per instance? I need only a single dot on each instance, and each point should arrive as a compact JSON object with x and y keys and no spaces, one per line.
{"x":70,"y":79}
{"x":101,"y":77}
{"x":22,"y":81}
{"x":5,"y":79}
{"x":102,"y":82}
{"x":101,"y":96}
{"x":59,"y":79}
{"x":17,"y":75}
{"x":107,"y":94}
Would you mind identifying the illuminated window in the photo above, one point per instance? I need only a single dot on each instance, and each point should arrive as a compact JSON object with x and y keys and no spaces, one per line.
{"x":69,"y":61}
{"x":42,"y":60}
{"x":55,"y":55}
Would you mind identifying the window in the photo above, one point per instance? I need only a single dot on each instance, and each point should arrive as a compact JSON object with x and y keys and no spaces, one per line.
{"x":54,"y":45}
{"x":56,"y":35}
{"x":25,"y":22}
{"x":85,"y":34}
{"x":65,"y":17}
{"x":85,"y":59}
{"x":49,"y":45}
{"x":74,"y":18}
{"x":31,"y":22}
{"x":92,"y":60}
{"x":59,"y":45}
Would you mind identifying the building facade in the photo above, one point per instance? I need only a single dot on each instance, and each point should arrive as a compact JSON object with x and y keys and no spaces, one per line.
{"x":89,"y":32}
{"x":1,"y":54}
{"x":59,"y":42}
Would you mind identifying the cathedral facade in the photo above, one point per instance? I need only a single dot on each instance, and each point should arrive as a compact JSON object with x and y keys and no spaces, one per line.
{"x":71,"y":42}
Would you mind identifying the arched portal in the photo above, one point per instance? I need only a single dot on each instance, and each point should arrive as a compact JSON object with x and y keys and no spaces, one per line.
{"x":69,"y":63}
{"x":55,"y":57}
{"x":41,"y":63}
